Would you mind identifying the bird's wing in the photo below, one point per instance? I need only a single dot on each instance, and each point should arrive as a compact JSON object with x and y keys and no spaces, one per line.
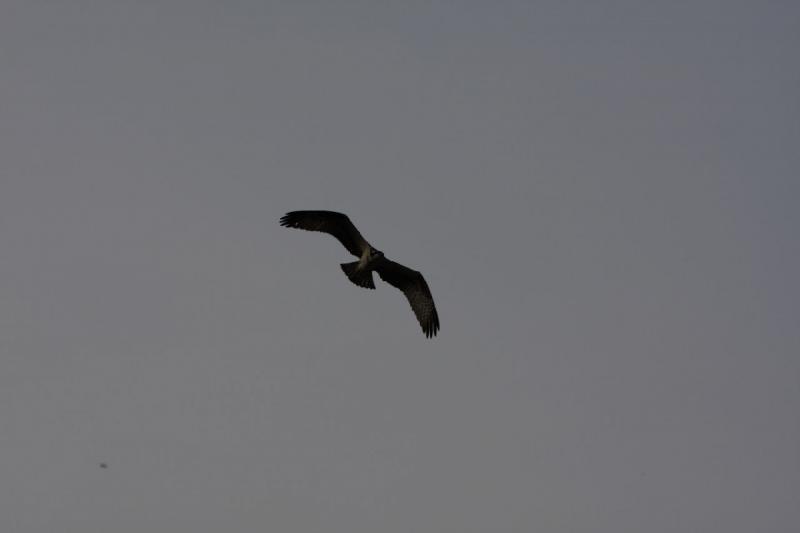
{"x":337,"y":224}
{"x":416,"y":290}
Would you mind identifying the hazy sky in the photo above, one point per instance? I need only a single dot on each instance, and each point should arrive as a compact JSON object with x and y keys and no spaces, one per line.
{"x":603,"y":197}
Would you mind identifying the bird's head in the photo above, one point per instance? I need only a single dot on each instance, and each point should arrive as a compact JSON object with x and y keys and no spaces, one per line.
{"x":374,"y":253}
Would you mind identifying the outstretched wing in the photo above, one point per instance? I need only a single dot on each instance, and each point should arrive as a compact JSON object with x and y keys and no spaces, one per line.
{"x":416,"y":290}
{"x":337,"y":224}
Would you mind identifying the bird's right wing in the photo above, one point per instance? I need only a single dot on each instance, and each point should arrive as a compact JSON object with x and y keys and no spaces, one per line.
{"x":416,"y":290}
{"x":337,"y":224}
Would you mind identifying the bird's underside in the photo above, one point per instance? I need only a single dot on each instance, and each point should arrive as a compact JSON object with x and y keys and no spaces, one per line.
{"x":409,"y":281}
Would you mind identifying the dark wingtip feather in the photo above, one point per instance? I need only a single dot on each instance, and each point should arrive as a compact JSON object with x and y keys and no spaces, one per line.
{"x":431,"y":327}
{"x":289,"y":220}
{"x":293,"y":219}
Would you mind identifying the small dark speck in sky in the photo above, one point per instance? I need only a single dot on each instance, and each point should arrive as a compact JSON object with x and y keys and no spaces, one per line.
{"x":103,"y":465}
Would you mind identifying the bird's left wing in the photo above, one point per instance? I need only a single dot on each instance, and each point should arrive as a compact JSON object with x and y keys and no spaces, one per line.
{"x":336,"y":224}
{"x":416,"y":290}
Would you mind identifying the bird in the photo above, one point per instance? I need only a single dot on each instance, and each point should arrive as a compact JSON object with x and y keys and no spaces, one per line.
{"x":409,"y":281}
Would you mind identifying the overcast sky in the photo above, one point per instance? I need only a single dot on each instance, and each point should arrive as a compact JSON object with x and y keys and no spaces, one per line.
{"x":603,"y":197}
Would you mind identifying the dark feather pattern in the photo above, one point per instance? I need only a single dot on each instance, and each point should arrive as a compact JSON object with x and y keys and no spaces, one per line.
{"x":413,"y":285}
{"x":361,"y":279}
{"x":409,"y":281}
{"x":336,"y":224}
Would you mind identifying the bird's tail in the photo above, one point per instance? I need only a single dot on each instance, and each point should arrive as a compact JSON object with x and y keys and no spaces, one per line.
{"x":361,"y":278}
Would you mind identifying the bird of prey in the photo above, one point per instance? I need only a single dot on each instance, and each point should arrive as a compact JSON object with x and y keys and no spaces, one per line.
{"x":409,"y":281}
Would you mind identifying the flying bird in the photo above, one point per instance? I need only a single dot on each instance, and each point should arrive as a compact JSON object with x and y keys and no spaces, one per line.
{"x":370,"y":260}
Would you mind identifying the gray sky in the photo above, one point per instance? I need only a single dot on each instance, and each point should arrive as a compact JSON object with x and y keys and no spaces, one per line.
{"x":602,"y":196}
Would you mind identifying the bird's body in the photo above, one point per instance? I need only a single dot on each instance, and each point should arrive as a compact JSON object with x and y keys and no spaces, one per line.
{"x":370,"y":260}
